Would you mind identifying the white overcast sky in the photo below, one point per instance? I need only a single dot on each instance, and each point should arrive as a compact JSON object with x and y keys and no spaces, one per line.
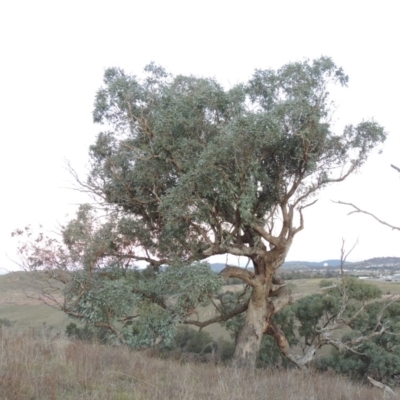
{"x":53,"y":55}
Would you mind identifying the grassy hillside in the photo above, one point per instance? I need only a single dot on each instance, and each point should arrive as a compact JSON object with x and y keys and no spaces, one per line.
{"x":19,"y":302}
{"x":35,"y":365}
{"x":40,"y":363}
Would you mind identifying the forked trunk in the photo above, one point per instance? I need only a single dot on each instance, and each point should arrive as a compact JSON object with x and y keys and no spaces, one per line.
{"x":249,"y":338}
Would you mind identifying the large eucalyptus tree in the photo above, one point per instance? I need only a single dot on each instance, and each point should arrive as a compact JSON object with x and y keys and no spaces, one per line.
{"x":197,"y":170}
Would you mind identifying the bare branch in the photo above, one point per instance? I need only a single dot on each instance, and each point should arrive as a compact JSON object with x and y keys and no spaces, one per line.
{"x":386,"y":389}
{"x":396,"y":168}
{"x":301,"y":226}
{"x":220,"y":318}
{"x":237,"y":272}
{"x":265,"y":235}
{"x":343,"y":257}
{"x":358,"y":210}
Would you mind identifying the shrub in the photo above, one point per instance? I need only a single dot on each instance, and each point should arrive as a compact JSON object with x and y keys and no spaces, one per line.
{"x":5,"y":322}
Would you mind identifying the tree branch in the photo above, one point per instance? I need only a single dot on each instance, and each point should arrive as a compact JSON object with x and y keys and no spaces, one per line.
{"x":396,"y":168}
{"x":237,"y":272}
{"x":386,"y":389}
{"x":265,"y":235}
{"x":220,"y":318}
{"x":358,"y":210}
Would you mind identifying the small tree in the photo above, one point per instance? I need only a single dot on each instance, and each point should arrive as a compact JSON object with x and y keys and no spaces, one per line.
{"x":379,"y":355}
{"x":350,"y":316}
{"x":188,"y":170}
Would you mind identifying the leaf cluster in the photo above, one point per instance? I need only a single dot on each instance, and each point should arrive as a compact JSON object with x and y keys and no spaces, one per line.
{"x":194,"y":166}
{"x":139,"y":307}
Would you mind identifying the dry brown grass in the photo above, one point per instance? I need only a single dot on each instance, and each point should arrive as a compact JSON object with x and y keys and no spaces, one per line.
{"x":35,"y":366}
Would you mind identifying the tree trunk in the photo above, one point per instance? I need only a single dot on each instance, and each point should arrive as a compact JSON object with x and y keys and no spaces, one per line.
{"x":250,"y":335}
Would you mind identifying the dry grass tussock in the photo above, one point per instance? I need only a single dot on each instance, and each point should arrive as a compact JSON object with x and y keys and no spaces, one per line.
{"x":35,"y":366}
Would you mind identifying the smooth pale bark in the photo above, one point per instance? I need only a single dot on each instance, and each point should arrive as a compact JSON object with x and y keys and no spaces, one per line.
{"x":249,"y":338}
{"x":266,"y":292}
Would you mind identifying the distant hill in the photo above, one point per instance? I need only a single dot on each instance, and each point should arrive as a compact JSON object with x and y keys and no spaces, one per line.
{"x":379,"y":261}
{"x":313,"y":264}
{"x":218,"y":267}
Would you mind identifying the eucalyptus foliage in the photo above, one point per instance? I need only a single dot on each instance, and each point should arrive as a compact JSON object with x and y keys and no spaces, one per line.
{"x":186,"y":169}
{"x":194,"y":166}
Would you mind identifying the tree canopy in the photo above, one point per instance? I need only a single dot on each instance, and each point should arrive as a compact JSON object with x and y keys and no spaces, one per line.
{"x":198,"y":170}
{"x":187,"y":169}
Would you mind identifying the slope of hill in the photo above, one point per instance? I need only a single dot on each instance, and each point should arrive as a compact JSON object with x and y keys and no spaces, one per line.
{"x":19,"y":302}
{"x":39,"y":366}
